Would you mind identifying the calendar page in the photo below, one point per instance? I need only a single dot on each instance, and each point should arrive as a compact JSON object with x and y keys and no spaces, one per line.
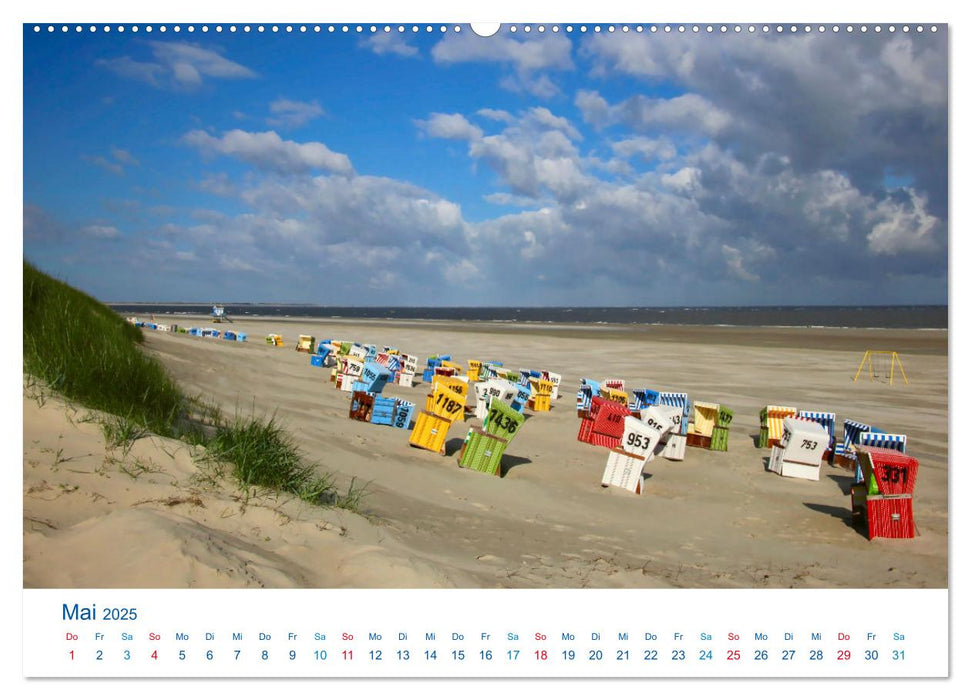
{"x":594,"y":343}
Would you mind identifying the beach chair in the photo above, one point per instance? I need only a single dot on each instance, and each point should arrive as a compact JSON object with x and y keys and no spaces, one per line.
{"x":613,"y":394}
{"x":482,"y":452}
{"x":502,"y":420}
{"x":828,"y":421}
{"x":374,"y":376}
{"x":678,"y":400}
{"x":383,"y":410}
{"x":305,"y":343}
{"x":719,"y":434}
{"x":487,"y":391}
{"x":430,"y":432}
{"x":624,"y":470}
{"x":555,"y":379}
{"x":799,"y":453}
{"x":877,"y":438}
{"x":541,"y":392}
{"x":771,"y":420}
{"x":642,"y":436}
{"x":887,"y":471}
{"x":362,"y":404}
{"x":886,"y":493}
{"x":618,"y":384}
{"x":843,"y":453}
{"x":585,"y":395}
{"x":446,"y":403}
{"x":640,"y":399}
{"x":403,"y":411}
{"x":605,"y":425}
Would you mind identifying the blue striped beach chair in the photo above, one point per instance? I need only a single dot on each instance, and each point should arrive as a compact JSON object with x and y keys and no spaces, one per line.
{"x":584,"y":399}
{"x":403,"y":411}
{"x":521,"y":399}
{"x":642,"y":398}
{"x":825,"y":419}
{"x":878,"y":438}
{"x":679,"y":400}
{"x":843,"y":453}
{"x":594,"y":385}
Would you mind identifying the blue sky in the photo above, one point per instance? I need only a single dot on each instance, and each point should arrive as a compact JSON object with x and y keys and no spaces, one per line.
{"x":534,"y":168}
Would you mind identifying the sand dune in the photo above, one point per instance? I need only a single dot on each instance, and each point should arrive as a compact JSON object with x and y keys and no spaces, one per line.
{"x":714,"y":520}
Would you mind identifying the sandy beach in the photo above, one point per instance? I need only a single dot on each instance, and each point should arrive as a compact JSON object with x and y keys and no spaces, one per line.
{"x":95,"y":517}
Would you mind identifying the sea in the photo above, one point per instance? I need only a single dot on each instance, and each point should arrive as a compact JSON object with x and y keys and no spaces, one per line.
{"x":904,"y":317}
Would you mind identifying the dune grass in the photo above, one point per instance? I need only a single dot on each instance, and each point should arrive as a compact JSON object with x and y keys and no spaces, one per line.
{"x":84,"y":351}
{"x":263,"y":454}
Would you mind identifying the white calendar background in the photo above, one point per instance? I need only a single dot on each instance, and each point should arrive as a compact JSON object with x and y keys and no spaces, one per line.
{"x":929,"y":620}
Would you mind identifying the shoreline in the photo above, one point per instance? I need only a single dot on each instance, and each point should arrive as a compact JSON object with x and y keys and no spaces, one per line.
{"x":928,"y":341}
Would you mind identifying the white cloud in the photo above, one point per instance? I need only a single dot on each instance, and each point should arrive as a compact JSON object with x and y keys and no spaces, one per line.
{"x":106,"y":164}
{"x":733,"y":258}
{"x":529,"y":55}
{"x":689,"y":113}
{"x":858,"y":104}
{"x":449,"y":126}
{"x":177,"y":64}
{"x":194,"y":62}
{"x":540,"y":85}
{"x":592,"y":106}
{"x":292,"y":113}
{"x":684,"y":180}
{"x":648,"y":149}
{"x":541,"y":117}
{"x":499,"y":115}
{"x":219,"y":184}
{"x":384,"y":43}
{"x":528,"y":58}
{"x":127,"y":67}
{"x":116,"y":163}
{"x":124,"y":157}
{"x":267,"y":151}
{"x":100,"y":231}
{"x":903,"y":226}
{"x":917,"y":72}
{"x":533,"y":154}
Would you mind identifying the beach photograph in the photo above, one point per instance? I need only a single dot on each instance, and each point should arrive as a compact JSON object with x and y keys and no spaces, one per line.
{"x":557,"y":306}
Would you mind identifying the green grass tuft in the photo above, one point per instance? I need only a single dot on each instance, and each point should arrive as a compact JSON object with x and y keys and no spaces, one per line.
{"x":263,"y":454}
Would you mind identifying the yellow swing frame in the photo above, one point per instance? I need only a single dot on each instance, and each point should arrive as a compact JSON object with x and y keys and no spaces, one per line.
{"x":868,"y":361}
